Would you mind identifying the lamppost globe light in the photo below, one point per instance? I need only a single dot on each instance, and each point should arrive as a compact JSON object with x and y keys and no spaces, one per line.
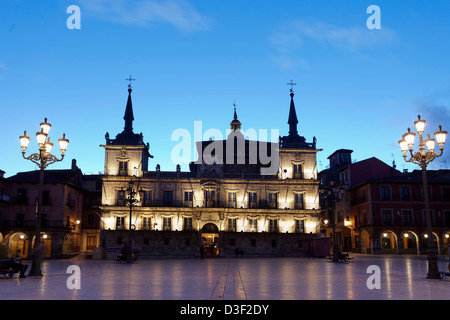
{"x":430,"y":143}
{"x":45,"y":126}
{"x":420,"y":125}
{"x":24,"y":141}
{"x":63,"y":144}
{"x":409,"y":138}
{"x":440,"y":137}
{"x":41,"y":137}
{"x":403,"y":146}
{"x":48,"y":146}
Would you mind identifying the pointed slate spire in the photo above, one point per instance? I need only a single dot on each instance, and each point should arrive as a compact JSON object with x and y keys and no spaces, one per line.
{"x":128,"y":117}
{"x":235,"y":124}
{"x":292,"y":121}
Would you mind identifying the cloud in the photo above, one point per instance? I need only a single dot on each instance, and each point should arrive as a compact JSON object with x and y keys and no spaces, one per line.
{"x":178,"y":13}
{"x":290,"y":37}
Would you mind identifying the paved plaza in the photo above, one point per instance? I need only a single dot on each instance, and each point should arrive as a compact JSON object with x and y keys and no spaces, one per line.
{"x":400,"y":278}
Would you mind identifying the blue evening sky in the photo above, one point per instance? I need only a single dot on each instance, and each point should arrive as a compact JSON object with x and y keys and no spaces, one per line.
{"x":357,"y":88}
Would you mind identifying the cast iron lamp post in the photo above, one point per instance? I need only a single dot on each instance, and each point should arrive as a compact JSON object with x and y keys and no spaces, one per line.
{"x":423,"y":158}
{"x":43,"y":159}
{"x":131,"y":201}
{"x":330,"y":195}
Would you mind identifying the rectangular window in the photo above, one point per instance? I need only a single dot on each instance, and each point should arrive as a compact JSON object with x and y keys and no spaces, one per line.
{"x":146,"y":223}
{"x":46,"y":197}
{"x":386,"y":217}
{"x":147,"y":198}
{"x":167,"y":224}
{"x":273,"y":225}
{"x":187,"y":224}
{"x":123,"y":168}
{"x":22,"y":197}
{"x":188,"y":197}
{"x":232,"y":200}
{"x":447,"y":218}
{"x":298,"y":201}
{"x":121,"y":197}
{"x":120,"y":223}
{"x":404,"y":193}
{"x":232,"y":225}
{"x":300,"y":226}
{"x":273,"y":200}
{"x":298,"y":171}
{"x":446,"y":194}
{"x":385,"y":193}
{"x":253,"y":225}
{"x":406,"y":217}
{"x":210,"y":198}
{"x":91,"y":219}
{"x":167,"y":198}
{"x":252,"y":200}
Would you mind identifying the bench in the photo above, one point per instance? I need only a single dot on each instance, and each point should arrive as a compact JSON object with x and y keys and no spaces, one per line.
{"x":341,"y":257}
{"x":123,"y":258}
{"x":6,"y":268}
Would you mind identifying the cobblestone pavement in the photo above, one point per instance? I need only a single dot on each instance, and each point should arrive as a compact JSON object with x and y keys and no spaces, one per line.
{"x":400,"y":278}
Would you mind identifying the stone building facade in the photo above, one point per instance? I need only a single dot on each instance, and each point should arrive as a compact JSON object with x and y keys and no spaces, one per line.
{"x":231,"y":198}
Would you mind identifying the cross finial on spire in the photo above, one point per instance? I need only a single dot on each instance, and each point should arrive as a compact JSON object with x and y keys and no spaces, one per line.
{"x":130,"y":79}
{"x":292,"y":84}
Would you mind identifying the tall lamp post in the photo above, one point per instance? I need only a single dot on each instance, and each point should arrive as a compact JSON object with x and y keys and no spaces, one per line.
{"x":330,"y":195}
{"x":131,"y":201}
{"x":423,"y":158}
{"x":43,"y":159}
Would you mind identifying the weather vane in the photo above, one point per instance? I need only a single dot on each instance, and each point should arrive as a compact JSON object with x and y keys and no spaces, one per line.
{"x":292,"y":84}
{"x":130,"y":79}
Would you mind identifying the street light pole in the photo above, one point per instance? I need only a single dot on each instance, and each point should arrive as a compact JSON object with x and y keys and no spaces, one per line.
{"x":131,"y":202}
{"x":329,"y":195}
{"x":43,"y":159}
{"x":423,"y":158}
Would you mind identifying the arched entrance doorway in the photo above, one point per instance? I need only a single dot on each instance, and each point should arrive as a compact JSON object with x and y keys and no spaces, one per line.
{"x":409,"y":243}
{"x":425,"y":243}
{"x":388,"y":242}
{"x":18,"y":241}
{"x":210,"y":239}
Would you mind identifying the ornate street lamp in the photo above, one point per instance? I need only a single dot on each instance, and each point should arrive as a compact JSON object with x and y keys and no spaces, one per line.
{"x":43,"y":159}
{"x":131,"y":201}
{"x":330,"y":195}
{"x":423,"y":158}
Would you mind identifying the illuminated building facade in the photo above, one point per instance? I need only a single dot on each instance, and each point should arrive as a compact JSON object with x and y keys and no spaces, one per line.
{"x":231,"y":198}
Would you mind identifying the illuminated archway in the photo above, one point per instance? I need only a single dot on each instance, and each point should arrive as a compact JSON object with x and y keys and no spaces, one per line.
{"x":210,"y":239}
{"x":446,"y":242}
{"x":409,"y":242}
{"x":388,"y":242}
{"x":18,"y":241}
{"x":424,"y":238}
{"x":46,"y":242}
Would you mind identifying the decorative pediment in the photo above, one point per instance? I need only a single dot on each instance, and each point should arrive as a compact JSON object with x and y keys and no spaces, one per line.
{"x":205,"y":184}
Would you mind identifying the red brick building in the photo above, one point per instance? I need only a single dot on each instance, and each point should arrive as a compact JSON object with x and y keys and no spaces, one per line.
{"x":381,"y":210}
{"x":62,"y":206}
